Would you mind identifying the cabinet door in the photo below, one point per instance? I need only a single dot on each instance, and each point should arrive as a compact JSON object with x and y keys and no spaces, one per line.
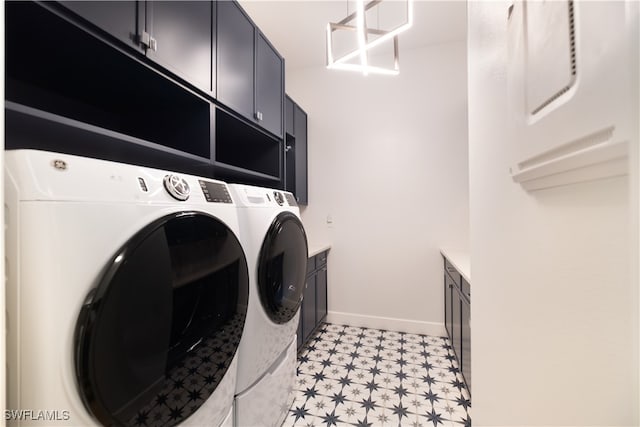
{"x":288,"y":115}
{"x":321,"y":294}
{"x":235,"y":50}
{"x":269,"y":86}
{"x":309,"y":308}
{"x":290,"y":163}
{"x":183,"y":39}
{"x":466,"y":343}
{"x":456,"y":323}
{"x":300,"y":125}
{"x":122,"y":19}
{"x":448,"y":297}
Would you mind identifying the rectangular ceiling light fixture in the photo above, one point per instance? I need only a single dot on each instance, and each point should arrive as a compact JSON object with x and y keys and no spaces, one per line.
{"x":363,"y":33}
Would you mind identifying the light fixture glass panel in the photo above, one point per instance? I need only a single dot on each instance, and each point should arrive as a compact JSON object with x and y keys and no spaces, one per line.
{"x":360,"y":25}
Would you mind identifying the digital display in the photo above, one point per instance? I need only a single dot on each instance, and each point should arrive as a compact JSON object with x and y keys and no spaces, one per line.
{"x":215,"y":192}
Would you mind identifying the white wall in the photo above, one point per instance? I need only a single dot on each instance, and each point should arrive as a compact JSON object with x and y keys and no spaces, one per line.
{"x":2,"y":258}
{"x":635,"y":196}
{"x":388,"y":162}
{"x":555,"y":308}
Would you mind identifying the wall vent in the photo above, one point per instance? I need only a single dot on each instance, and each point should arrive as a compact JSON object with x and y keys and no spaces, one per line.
{"x":542,"y":58}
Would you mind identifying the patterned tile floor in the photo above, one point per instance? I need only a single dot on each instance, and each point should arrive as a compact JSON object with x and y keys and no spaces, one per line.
{"x":367,"y":377}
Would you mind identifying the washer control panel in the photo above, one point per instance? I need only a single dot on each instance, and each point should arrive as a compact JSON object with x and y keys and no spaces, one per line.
{"x":215,"y":192}
{"x":177,"y":187}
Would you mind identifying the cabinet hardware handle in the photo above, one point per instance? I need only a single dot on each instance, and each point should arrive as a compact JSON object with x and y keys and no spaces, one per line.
{"x":287,"y":148}
{"x":259,"y":115}
{"x":148,"y":42}
{"x":153,"y":44}
{"x":144,"y":38}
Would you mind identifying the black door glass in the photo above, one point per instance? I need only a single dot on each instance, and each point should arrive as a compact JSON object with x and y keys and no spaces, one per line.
{"x":282,"y":267}
{"x":158,"y":333}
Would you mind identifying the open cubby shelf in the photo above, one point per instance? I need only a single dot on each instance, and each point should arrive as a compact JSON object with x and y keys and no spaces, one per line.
{"x":234,"y":140}
{"x":27,"y":127}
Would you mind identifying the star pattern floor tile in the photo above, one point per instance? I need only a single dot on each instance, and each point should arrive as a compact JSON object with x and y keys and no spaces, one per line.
{"x":349,"y":376}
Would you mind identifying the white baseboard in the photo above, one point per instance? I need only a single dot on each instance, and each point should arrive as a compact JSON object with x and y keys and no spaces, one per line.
{"x":387,"y":323}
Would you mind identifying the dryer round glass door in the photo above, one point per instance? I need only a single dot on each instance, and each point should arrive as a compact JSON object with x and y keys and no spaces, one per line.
{"x":165,"y":319}
{"x":282,"y":267}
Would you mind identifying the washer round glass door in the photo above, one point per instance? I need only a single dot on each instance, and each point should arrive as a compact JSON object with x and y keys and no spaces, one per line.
{"x":157,"y":335}
{"x":282,"y":267}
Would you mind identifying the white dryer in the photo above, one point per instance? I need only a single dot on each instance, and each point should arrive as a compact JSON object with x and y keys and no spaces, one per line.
{"x":127,"y":294}
{"x":276,"y":247}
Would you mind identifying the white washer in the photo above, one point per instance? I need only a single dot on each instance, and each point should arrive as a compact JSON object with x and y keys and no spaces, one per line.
{"x":127,"y":294}
{"x":276,"y":246}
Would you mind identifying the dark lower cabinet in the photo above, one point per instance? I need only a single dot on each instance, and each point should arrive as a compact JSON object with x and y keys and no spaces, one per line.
{"x":456,"y":323}
{"x":466,"y":341}
{"x":457,"y":311}
{"x":313,"y":310}
{"x":321,"y":292}
{"x":308,"y":312}
{"x":449,"y":289}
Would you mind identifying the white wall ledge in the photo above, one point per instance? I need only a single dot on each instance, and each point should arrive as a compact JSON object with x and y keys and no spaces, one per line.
{"x":595,"y":156}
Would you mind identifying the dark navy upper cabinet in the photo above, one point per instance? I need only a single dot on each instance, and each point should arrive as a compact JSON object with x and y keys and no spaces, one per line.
{"x":300,"y":125}
{"x":122,"y":19}
{"x":181,"y":39}
{"x":288,"y":115}
{"x":250,"y":70}
{"x":296,"y":151}
{"x":235,"y":52}
{"x":269,"y":86}
{"x":176,"y":35}
{"x":187,"y":78}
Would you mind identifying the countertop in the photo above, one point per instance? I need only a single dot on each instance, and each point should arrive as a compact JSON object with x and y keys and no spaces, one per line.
{"x":460,"y":260}
{"x":315,"y":248}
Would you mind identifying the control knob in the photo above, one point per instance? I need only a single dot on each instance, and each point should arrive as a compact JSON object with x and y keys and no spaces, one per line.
{"x":177,"y":187}
{"x":278,"y":198}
